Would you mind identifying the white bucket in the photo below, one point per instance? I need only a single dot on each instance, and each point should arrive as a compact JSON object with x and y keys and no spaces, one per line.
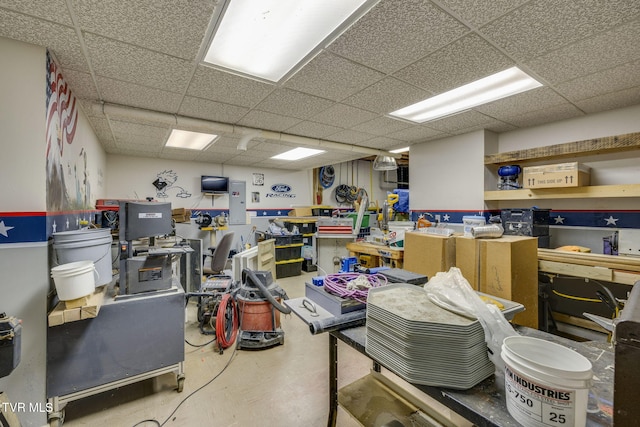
{"x":88,"y":244}
{"x":74,"y":280}
{"x":545,"y":383}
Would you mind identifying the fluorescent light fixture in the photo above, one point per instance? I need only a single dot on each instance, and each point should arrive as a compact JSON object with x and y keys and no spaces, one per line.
{"x":190,"y":140}
{"x":297,"y":154}
{"x":496,"y":86}
{"x":399,"y":150}
{"x":268,"y":38}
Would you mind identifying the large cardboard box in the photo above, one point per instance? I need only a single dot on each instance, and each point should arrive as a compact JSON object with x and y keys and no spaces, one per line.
{"x":506,"y":267}
{"x":570,"y":174}
{"x":300,"y":212}
{"x":428,"y":254}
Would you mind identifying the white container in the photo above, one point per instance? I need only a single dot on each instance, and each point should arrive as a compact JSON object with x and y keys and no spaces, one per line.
{"x":74,"y":280}
{"x":88,"y":244}
{"x":471,"y":221}
{"x":545,"y":383}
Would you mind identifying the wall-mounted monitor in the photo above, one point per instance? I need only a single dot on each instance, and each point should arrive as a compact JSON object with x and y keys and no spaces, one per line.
{"x":214,"y":184}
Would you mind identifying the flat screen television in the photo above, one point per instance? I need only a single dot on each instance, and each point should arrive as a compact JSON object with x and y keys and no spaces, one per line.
{"x":214,"y":184}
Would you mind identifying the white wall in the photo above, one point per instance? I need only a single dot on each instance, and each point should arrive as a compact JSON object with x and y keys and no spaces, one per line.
{"x":448,"y":174}
{"x":25,"y":281}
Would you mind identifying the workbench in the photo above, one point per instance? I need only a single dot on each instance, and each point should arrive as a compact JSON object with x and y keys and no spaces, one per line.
{"x":395,"y":255}
{"x":484,"y":404}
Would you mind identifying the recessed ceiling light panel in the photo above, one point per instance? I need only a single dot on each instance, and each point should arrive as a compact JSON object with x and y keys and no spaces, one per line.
{"x":496,"y":86}
{"x":268,"y":38}
{"x":297,"y":154}
{"x":190,"y":140}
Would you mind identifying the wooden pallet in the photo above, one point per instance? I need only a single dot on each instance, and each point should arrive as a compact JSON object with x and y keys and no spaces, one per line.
{"x":78,"y":309}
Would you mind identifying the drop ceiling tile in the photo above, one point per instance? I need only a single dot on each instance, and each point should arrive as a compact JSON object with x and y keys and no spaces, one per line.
{"x":532,"y":100}
{"x":386,"y":96}
{"x":601,"y":52}
{"x":287,"y":102}
{"x":381,"y":126}
{"x":343,"y":116}
{"x":610,"y":101}
{"x":81,"y":84}
{"x":121,"y":61}
{"x":135,"y":130}
{"x":271,"y":148}
{"x":384,"y":143}
{"x":464,"y":120}
{"x":267,"y":121}
{"x":463,"y":61}
{"x":214,"y":156}
{"x":350,"y":137}
{"x":541,"y":26}
{"x":87,"y":108}
{"x":60,"y":39}
{"x":174,"y":154}
{"x":100,"y":127}
{"x":481,"y":12}
{"x":51,"y":10}
{"x":330,"y":76}
{"x":211,"y":110}
{"x":134,"y":95}
{"x":149,"y":24}
{"x":129,"y":140}
{"x":139,"y":151}
{"x":491,"y":124}
{"x":547,"y":115}
{"x":244,"y":160}
{"x":417,"y":134}
{"x":220,"y":86}
{"x":607,"y":81}
{"x":393,"y":34}
{"x":313,"y":130}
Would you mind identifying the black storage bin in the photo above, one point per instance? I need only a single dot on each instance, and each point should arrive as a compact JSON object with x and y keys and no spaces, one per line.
{"x":284,"y":253}
{"x":321,"y":211}
{"x":292,"y":267}
{"x":283,"y":240}
{"x":308,"y":265}
{"x":304,"y":227}
{"x":525,"y":222}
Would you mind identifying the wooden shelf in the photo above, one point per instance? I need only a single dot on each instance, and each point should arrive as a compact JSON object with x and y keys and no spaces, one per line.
{"x":587,"y":192}
{"x":609,"y":144}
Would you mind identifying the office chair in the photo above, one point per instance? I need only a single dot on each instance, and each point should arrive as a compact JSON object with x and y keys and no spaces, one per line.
{"x":215,"y":264}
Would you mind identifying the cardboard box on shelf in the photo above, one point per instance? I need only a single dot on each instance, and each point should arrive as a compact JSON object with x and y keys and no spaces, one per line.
{"x":428,"y":254}
{"x":506,"y":267}
{"x":571,"y":174}
{"x":300,"y":212}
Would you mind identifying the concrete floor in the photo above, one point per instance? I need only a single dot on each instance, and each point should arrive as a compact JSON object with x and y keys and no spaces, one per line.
{"x":286,"y":385}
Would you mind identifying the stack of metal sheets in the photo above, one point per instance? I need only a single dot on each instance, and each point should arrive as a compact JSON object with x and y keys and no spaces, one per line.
{"x":422,"y":342}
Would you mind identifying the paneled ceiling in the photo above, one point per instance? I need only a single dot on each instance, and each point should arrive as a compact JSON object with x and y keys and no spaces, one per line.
{"x":126,"y":59}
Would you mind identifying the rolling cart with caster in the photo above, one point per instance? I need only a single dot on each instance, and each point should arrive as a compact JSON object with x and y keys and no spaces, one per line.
{"x":133,"y":338}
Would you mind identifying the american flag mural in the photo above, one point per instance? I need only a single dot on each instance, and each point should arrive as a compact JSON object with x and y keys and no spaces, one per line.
{"x":62,"y":120}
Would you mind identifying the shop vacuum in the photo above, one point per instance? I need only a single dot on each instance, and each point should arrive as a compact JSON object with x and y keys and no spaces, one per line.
{"x":259,"y":305}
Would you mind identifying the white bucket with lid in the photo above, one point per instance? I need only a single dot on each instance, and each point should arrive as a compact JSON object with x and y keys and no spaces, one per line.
{"x":546,"y":384}
{"x":86,"y":244}
{"x":74,"y":280}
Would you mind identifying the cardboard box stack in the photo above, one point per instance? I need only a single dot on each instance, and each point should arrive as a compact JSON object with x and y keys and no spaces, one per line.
{"x":506,"y":267}
{"x":181,"y":215}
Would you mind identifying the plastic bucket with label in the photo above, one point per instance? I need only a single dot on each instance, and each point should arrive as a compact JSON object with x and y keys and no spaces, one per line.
{"x":545,"y":383}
